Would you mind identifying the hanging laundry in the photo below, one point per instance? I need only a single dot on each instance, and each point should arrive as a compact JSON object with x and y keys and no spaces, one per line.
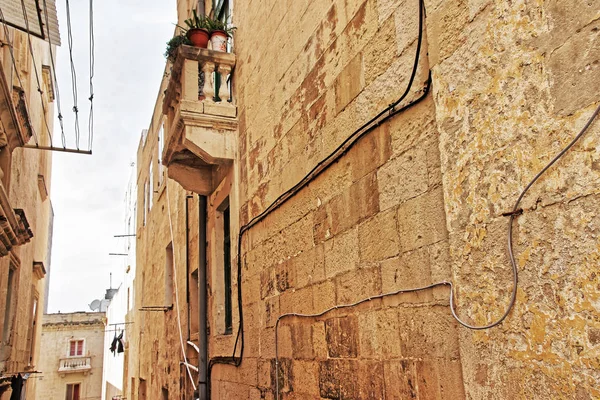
{"x":16,"y":384}
{"x":120,"y":345}
{"x":113,"y":345}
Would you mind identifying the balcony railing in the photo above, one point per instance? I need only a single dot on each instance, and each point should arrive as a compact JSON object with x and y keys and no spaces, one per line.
{"x":75,"y":364}
{"x":201,"y":118}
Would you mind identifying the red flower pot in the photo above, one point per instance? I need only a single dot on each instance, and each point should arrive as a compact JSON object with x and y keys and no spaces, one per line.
{"x":198,"y":37}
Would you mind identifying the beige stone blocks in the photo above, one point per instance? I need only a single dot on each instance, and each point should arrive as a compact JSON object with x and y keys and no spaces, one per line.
{"x":422,"y":221}
{"x":574,"y":69}
{"x":349,"y":83}
{"x":428,"y":333}
{"x":400,"y":379}
{"x":378,"y":237}
{"x":306,"y":378}
{"x":410,"y":270}
{"x":341,"y":253}
{"x":358,"y":284}
{"x":342,"y":337}
{"x":379,"y":334}
{"x":403,"y":178}
{"x":380,"y":52}
{"x":352,"y":205}
{"x":370,"y":152}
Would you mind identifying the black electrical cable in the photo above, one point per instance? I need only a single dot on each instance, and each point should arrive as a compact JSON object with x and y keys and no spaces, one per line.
{"x":346,"y":145}
{"x":515,"y":212}
{"x":37,"y":76}
{"x":73,"y":74}
{"x":56,"y":90}
{"x":92,"y":65}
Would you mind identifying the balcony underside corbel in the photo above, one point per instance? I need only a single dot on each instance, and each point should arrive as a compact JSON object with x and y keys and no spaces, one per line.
{"x":202,"y":122}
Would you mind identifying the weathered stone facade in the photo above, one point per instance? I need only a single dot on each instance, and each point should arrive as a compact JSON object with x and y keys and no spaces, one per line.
{"x":25,"y":206}
{"x":417,"y":200}
{"x":60,"y":367}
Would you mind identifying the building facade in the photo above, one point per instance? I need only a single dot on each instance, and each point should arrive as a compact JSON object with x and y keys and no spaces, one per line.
{"x":120,"y":312}
{"x":26,"y":118}
{"x":73,"y":356}
{"x":329,"y":217}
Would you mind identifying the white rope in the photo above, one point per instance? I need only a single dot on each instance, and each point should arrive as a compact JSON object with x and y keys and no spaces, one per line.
{"x":187,"y":365}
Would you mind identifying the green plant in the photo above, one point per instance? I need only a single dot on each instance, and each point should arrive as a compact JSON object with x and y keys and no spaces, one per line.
{"x":218,"y":25}
{"x":173,"y":45}
{"x":196,"y":22}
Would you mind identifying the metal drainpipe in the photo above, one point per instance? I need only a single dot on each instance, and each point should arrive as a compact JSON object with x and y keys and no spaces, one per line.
{"x":187,"y":262}
{"x":202,"y":302}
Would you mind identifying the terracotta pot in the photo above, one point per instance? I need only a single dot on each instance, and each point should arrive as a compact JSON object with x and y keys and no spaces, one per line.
{"x":218,"y":39}
{"x":198,"y":37}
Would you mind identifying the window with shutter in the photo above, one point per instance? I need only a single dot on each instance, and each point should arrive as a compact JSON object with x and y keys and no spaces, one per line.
{"x":73,"y":390}
{"x":75,"y":348}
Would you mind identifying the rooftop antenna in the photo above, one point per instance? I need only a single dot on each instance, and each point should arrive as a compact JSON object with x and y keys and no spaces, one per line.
{"x":110,"y":282}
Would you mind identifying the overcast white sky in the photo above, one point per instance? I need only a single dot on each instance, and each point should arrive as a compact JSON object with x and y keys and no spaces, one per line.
{"x":88,"y":192}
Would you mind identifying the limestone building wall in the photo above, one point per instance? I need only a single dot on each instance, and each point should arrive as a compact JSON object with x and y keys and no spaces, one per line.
{"x":57,"y":332}
{"x":417,"y":200}
{"x":26,"y":182}
{"x":154,"y":352}
{"x":513,"y":84}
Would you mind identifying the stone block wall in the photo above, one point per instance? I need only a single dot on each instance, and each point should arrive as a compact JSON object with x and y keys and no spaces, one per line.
{"x":418,"y":200}
{"x":372,"y":223}
{"x":513,"y":84}
{"x":27,"y":180}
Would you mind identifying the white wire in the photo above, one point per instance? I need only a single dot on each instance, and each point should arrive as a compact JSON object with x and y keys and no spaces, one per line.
{"x":187,"y":365}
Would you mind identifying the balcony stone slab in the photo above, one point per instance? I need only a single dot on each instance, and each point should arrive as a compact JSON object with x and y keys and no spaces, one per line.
{"x":200,"y":132}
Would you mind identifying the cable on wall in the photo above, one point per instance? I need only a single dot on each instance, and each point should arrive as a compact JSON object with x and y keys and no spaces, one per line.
{"x":324,"y":164}
{"x":515,"y":212}
{"x":73,"y":74}
{"x":92,"y":66}
{"x":37,"y":76}
{"x":56,"y":90}
{"x":14,"y":63}
{"x":187,"y":365}
{"x":369,"y":126}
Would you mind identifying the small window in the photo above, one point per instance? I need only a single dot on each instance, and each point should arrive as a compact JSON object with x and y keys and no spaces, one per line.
{"x":32,"y":327}
{"x":142,"y":389}
{"x":145,"y":203}
{"x":227,"y":270}
{"x":150,"y":186}
{"x":169,"y":275}
{"x":75,"y":348}
{"x":161,"y":146}
{"x":9,"y":310}
{"x":73,"y":390}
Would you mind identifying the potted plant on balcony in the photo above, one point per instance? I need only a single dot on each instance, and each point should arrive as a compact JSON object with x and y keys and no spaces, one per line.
{"x":219,"y":32}
{"x":173,"y":45}
{"x":197,"y":32}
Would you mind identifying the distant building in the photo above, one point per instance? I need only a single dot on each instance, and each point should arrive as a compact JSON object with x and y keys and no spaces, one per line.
{"x":71,"y":364}
{"x":119,"y":311}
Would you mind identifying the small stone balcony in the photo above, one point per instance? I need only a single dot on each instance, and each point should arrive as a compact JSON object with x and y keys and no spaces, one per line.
{"x":75,"y":365}
{"x":201,"y":121}
{"x":16,"y":126}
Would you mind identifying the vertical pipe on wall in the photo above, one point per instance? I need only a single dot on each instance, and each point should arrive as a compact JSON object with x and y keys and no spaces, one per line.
{"x":202,"y":302}
{"x":187,"y":262}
